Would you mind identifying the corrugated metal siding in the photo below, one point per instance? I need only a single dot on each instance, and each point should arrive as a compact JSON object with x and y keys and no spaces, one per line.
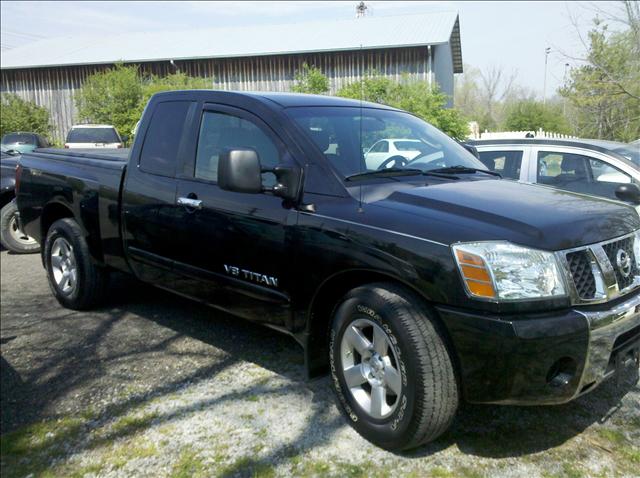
{"x":54,"y":88}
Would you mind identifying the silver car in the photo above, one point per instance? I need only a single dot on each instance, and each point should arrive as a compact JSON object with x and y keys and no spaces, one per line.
{"x":598,"y":168}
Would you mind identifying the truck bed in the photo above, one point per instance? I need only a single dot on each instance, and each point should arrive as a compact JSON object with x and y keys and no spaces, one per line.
{"x":107,"y":154}
{"x":87,"y":183}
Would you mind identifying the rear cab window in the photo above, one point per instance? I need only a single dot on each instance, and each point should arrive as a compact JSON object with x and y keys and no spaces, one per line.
{"x":163,"y":138}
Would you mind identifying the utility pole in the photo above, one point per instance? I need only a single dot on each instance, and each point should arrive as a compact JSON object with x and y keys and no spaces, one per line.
{"x":544,"y":88}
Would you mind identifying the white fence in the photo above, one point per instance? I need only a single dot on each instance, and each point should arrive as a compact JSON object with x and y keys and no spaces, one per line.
{"x":518,"y":134}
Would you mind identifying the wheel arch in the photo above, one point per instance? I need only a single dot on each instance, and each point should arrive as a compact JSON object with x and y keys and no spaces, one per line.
{"x":325,"y":301}
{"x":52,"y":212}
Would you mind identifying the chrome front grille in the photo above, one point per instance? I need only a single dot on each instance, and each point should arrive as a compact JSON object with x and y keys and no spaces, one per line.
{"x":581,"y":273}
{"x":601,"y":272}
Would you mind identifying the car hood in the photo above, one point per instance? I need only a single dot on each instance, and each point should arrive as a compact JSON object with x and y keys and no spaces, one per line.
{"x":527,"y":214}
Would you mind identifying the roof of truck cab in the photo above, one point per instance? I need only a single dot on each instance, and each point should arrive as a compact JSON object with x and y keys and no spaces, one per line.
{"x":284,"y":100}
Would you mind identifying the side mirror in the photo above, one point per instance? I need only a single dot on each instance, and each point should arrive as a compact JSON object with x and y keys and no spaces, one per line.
{"x":628,"y":193}
{"x":239,"y":171}
{"x":124,"y":138}
{"x":288,"y":182}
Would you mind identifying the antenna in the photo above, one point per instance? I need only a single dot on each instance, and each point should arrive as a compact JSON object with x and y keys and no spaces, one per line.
{"x":360,"y":152}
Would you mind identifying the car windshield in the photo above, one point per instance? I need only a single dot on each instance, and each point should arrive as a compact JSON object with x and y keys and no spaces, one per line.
{"x":631,"y":152}
{"x":346,"y":135}
{"x":93,"y":135}
{"x":18,"y":138}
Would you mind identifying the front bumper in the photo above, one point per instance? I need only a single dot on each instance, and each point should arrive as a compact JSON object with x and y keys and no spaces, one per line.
{"x":546,"y":358}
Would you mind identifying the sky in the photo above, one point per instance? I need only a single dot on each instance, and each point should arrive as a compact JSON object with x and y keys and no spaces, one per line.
{"x":511,"y":36}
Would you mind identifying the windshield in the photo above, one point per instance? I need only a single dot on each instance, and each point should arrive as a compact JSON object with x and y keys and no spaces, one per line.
{"x":18,"y":138}
{"x":346,"y":135}
{"x":630,"y":152}
{"x":93,"y":135}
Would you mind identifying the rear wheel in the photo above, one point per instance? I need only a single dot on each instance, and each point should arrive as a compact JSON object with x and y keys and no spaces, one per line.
{"x":391,"y":370}
{"x":10,"y":235}
{"x":75,"y":280}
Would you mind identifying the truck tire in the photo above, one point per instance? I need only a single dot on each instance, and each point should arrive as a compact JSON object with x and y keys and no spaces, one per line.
{"x":10,"y":236}
{"x":391,"y":370}
{"x":75,"y":280}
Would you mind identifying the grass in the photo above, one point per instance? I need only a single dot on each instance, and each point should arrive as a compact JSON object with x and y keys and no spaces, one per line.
{"x":189,"y":465}
{"x":460,"y":472}
{"x":31,"y":449}
{"x":625,"y":452}
{"x":131,"y":424}
{"x":249,"y":466}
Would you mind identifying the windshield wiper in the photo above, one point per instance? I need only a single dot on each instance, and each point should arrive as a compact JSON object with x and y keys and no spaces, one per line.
{"x":382,"y":173}
{"x":460,"y":169}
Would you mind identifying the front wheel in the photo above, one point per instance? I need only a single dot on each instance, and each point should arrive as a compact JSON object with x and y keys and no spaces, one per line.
{"x":391,"y":369}
{"x":11,"y":237}
{"x":75,"y":280}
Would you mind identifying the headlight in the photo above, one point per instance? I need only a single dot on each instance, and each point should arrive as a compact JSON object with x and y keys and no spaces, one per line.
{"x":503,"y":271}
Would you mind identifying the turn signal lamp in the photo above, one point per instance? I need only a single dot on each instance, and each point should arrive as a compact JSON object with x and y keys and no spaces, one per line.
{"x":475,"y":274}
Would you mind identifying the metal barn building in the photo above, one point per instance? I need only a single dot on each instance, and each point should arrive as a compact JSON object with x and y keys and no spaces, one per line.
{"x":262,"y":58}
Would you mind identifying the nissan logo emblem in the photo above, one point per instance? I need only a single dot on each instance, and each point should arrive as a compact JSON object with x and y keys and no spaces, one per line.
{"x":623,"y":261}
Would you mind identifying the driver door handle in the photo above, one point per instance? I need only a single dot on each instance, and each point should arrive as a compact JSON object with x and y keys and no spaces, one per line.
{"x":189,"y":202}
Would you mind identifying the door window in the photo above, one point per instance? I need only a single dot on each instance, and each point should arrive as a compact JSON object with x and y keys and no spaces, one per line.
{"x":507,"y":163}
{"x":162,"y":142}
{"x":605,"y":173}
{"x":381,"y":147}
{"x":578,"y":173}
{"x":221,"y":131}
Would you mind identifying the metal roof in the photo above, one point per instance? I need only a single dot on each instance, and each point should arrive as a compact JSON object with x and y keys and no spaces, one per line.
{"x":258,"y":40}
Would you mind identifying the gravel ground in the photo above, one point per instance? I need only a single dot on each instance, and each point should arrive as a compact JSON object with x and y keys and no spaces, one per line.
{"x":155,"y":385}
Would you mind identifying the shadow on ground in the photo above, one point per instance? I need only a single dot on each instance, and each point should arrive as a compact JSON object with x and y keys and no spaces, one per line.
{"x":140,"y":333}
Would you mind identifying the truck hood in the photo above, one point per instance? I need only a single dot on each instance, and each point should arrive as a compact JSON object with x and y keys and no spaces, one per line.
{"x":527,"y":214}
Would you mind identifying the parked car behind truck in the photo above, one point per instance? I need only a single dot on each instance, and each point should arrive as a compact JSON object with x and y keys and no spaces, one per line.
{"x":21,"y":142}
{"x":415,"y":288}
{"x":88,"y":136}
{"x":11,"y":237}
{"x":602,"y":168}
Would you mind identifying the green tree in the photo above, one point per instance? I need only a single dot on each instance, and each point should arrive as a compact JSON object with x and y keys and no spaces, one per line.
{"x":531,"y":115}
{"x":310,"y":80}
{"x":112,"y":97}
{"x":604,"y":92}
{"x":118,"y":96}
{"x":17,"y":114}
{"x":413,"y":96}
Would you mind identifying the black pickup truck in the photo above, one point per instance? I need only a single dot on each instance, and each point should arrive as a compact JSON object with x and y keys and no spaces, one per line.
{"x":417,"y":280}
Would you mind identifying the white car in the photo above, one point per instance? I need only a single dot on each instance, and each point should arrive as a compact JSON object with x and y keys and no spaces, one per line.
{"x":384,"y":149}
{"x":93,"y":136}
{"x":594,"y":167}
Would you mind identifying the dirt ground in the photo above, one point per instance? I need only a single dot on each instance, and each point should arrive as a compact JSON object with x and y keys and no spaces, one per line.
{"x":155,"y":385}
